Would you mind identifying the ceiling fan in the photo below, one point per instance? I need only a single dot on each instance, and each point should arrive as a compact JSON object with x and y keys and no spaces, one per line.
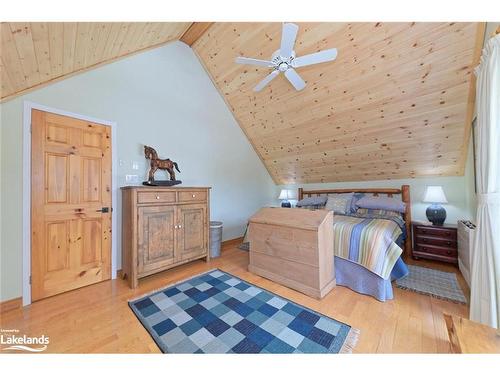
{"x":284,"y":60}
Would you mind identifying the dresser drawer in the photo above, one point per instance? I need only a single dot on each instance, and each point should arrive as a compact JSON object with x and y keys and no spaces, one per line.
{"x":443,"y":242}
{"x":433,"y":231}
{"x":156,"y":197}
{"x":436,"y":250}
{"x":192,"y":196}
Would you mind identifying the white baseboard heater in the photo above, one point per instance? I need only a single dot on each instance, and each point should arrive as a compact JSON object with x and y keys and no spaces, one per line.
{"x":465,"y":233}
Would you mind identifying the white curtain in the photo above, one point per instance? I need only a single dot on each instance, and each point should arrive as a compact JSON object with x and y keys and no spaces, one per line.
{"x":485,"y":278}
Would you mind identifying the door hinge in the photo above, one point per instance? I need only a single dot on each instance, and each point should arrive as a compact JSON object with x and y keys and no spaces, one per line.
{"x":30,"y":279}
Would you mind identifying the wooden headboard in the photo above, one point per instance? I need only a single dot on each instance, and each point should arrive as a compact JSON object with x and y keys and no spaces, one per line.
{"x":405,"y":197}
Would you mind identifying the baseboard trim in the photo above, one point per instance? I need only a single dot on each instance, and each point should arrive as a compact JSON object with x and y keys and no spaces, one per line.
{"x":232,"y":242}
{"x":11,"y":304}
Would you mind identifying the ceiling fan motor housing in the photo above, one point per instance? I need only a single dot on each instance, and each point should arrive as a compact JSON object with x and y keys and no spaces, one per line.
{"x":282,"y":63}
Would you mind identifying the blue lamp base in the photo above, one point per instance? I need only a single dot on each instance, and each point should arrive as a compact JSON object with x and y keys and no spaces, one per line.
{"x":436,"y":214}
{"x":286,"y":204}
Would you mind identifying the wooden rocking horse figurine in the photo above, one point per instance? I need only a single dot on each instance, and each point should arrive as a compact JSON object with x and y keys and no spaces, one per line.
{"x":157,"y":163}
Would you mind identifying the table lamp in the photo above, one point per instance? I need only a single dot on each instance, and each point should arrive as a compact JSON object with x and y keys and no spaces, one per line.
{"x":435,"y":212}
{"x":285,"y":195}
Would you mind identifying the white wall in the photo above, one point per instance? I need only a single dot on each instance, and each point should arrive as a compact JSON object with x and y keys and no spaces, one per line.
{"x":161,"y":98}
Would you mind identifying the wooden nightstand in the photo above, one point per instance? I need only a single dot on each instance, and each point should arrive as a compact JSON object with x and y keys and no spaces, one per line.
{"x":435,"y":242}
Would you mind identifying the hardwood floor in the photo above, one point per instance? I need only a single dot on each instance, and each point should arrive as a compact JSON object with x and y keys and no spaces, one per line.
{"x":97,"y":319}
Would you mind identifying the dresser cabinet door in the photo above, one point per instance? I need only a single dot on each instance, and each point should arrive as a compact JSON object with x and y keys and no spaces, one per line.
{"x":192,"y":235}
{"x":156,"y":234}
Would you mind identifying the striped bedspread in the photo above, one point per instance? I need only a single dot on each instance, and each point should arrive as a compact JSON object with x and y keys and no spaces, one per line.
{"x":370,"y":242}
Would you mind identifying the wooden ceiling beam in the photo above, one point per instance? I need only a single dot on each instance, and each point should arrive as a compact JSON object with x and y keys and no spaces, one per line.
{"x":194,"y":32}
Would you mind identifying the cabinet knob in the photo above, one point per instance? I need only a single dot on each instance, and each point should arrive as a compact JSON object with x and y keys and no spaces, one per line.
{"x":194,"y":195}
{"x":180,"y":226}
{"x":175,"y":226}
{"x":157,"y":197}
{"x":448,"y":252}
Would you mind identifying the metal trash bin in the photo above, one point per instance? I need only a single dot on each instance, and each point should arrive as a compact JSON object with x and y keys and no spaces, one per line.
{"x":215,"y":238}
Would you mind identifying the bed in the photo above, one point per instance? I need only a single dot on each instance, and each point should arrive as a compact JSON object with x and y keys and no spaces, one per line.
{"x":361,"y":270}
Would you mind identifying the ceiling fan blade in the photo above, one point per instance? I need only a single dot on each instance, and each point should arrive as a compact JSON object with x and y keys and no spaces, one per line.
{"x":288,"y":36}
{"x":295,"y":79}
{"x":266,"y":80}
{"x":315,"y":58}
{"x":250,"y":61}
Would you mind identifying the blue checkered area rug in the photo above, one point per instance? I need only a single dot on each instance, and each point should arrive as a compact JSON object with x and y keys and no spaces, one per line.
{"x":216,"y":312}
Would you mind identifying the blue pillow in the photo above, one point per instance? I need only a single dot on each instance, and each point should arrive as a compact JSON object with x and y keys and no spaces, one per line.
{"x":382,"y":203}
{"x":312,"y":201}
{"x":356,"y":197}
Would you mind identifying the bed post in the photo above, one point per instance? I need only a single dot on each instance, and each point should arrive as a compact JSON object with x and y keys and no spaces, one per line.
{"x":300,"y":195}
{"x":405,"y":197}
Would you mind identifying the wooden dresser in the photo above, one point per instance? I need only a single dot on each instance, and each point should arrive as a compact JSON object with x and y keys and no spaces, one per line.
{"x":293,"y":247}
{"x":435,"y":242}
{"x":163,"y":227}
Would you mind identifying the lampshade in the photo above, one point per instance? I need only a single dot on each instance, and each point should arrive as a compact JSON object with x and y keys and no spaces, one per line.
{"x":434,"y":194}
{"x":286,"y":194}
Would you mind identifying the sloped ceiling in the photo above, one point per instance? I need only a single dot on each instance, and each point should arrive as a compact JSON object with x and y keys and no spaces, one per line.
{"x":396,"y":103}
{"x":37,"y":53}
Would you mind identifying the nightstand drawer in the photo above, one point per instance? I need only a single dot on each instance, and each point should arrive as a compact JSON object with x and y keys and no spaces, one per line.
{"x":436,"y":231}
{"x":436,"y":250}
{"x":428,"y":240}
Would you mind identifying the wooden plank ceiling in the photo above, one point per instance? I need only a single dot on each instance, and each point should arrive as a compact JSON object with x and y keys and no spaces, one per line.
{"x":34,"y":54}
{"x":397,"y":102}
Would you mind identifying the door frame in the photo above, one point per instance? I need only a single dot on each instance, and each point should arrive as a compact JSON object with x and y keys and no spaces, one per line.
{"x":28,"y":107}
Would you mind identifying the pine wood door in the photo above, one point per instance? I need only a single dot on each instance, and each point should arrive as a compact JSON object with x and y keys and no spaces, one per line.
{"x":156,"y":235}
{"x":192,"y":235}
{"x":70,"y":185}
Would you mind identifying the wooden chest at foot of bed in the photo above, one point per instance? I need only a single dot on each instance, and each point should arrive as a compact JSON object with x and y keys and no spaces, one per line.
{"x":294,"y":247}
